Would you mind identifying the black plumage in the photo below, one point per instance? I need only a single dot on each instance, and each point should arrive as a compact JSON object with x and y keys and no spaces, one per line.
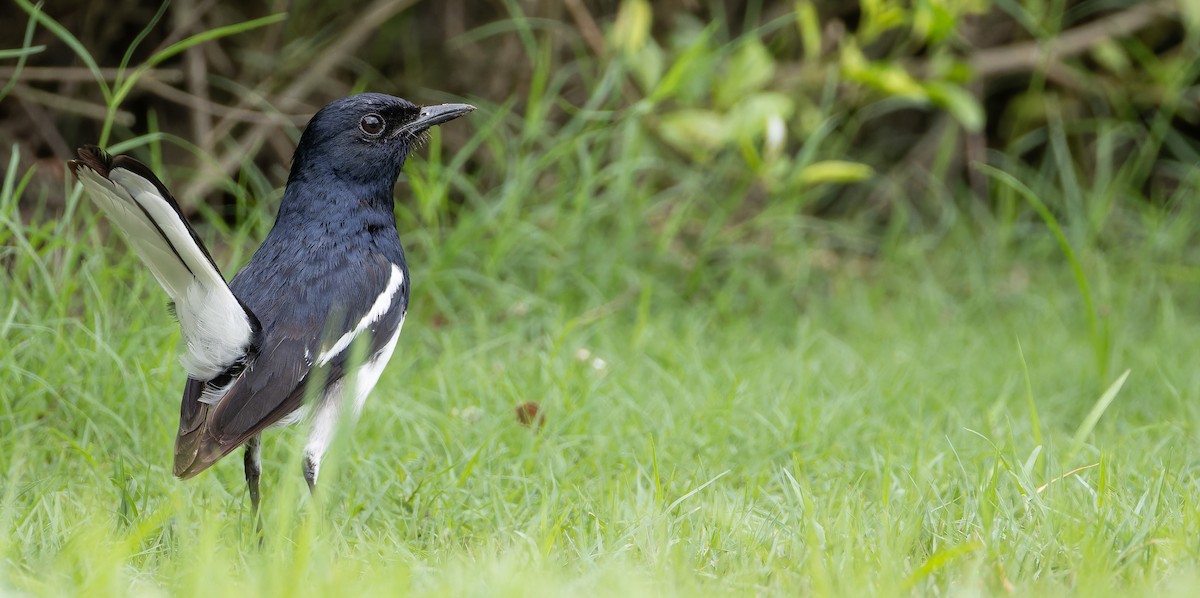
{"x":329,"y":282}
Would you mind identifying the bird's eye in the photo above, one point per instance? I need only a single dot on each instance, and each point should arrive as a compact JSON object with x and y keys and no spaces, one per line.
{"x":371,"y":124}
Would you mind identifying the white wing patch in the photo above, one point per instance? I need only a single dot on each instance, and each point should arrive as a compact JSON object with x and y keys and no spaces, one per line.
{"x":364,"y":381}
{"x":216,"y":329}
{"x":369,"y":373}
{"x":333,"y":406}
{"x":377,"y":311}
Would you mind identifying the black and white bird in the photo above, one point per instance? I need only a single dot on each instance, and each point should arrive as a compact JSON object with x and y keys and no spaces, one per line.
{"x":320,"y":304}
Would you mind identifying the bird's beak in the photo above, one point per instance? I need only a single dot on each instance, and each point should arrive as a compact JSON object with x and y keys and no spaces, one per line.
{"x":436,"y":115}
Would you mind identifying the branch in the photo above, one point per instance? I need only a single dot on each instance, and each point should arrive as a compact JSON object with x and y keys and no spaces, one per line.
{"x":587,"y":26}
{"x":63,"y":103}
{"x":77,"y":73}
{"x":207,"y":106}
{"x":1028,"y":56}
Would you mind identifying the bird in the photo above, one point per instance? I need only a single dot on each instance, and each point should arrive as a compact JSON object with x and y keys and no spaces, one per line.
{"x":304,"y":330}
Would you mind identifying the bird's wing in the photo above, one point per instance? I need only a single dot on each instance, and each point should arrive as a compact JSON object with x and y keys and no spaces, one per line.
{"x":292,"y":357}
{"x":218,"y":329}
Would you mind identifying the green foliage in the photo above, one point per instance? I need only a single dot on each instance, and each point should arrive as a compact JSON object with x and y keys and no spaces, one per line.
{"x":116,"y":94}
{"x":704,"y":95}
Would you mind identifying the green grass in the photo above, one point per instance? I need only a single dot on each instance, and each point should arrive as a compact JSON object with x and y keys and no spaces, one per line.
{"x":874,"y":426}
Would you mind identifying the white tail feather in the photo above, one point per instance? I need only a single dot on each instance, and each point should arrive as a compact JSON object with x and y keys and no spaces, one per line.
{"x":216,"y":328}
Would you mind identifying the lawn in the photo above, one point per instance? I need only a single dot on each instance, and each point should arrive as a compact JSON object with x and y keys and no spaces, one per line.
{"x":929,"y":418}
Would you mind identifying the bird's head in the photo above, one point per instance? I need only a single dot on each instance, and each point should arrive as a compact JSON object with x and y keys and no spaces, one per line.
{"x":365,"y":138}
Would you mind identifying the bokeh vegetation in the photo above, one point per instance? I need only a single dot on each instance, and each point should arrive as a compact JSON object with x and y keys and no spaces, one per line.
{"x":817,"y":297}
{"x":876,"y":109}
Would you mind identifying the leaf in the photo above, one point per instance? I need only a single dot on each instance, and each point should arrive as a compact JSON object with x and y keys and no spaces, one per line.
{"x":647,"y":66}
{"x":21,"y":52}
{"x":1111,"y":56}
{"x":1093,"y":417}
{"x":938,"y":560}
{"x":750,"y":116}
{"x":809,"y":26}
{"x":887,"y":77}
{"x":878,"y":17}
{"x":933,"y":22}
{"x":959,"y":102}
{"x":749,"y":69}
{"x":693,"y":65}
{"x":632,"y":26}
{"x":833,"y":171}
{"x":1191,"y":15}
{"x":694,"y":131}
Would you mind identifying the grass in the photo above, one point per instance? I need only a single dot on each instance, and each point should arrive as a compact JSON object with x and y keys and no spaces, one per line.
{"x":739,"y":399}
{"x":886,"y":426}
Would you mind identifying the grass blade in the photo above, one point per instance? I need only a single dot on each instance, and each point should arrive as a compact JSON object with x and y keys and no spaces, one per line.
{"x":1099,"y":335}
{"x":128,"y":83}
{"x":35,"y":12}
{"x":1093,"y":416}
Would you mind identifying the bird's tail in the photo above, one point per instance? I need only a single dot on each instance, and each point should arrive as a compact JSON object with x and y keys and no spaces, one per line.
{"x":217,"y":327}
{"x":192,"y":454}
{"x":195,"y":448}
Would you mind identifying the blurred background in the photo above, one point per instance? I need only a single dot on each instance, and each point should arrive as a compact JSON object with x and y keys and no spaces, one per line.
{"x":873,"y":111}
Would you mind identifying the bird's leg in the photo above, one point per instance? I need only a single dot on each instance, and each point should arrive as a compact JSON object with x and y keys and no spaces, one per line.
{"x":253,"y":461}
{"x":311,"y":464}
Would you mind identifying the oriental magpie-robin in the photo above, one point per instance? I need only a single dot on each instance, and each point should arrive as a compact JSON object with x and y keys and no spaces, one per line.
{"x":331,"y":274}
